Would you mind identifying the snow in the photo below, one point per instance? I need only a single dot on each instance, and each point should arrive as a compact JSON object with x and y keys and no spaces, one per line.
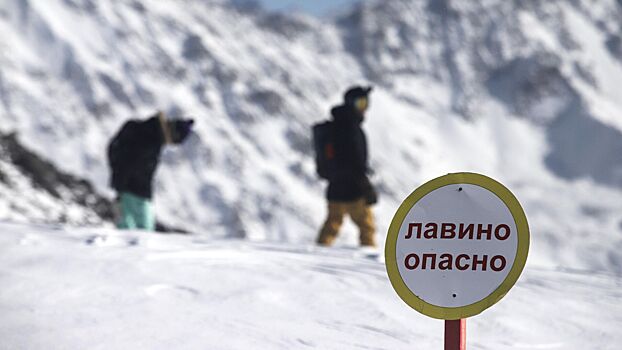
{"x":106,"y":289}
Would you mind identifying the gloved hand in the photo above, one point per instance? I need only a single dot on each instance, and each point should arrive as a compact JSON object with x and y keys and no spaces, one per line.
{"x":371,"y":197}
{"x":370,"y":193}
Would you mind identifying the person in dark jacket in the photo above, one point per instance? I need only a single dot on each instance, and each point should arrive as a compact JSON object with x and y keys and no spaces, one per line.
{"x":350,"y":191}
{"x":133,"y":156}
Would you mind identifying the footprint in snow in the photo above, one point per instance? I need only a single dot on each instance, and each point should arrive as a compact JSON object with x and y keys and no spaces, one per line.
{"x":111,"y":241}
{"x":370,"y":253}
{"x":171,"y":291}
{"x":30,"y":240}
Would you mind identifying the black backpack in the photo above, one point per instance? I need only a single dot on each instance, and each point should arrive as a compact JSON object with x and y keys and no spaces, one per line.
{"x":324,"y":146}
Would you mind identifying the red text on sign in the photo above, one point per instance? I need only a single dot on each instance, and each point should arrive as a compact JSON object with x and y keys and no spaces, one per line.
{"x":461,"y":262}
{"x":433,"y":230}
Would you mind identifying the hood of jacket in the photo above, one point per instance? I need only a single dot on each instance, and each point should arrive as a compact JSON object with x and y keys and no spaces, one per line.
{"x":345,"y":114}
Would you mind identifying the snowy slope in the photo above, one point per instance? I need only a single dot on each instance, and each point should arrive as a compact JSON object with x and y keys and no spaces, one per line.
{"x":525,"y":92}
{"x":104,"y":289}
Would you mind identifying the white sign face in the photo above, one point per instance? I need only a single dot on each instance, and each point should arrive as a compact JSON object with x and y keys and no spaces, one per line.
{"x":461,"y":281}
{"x":456,"y":245}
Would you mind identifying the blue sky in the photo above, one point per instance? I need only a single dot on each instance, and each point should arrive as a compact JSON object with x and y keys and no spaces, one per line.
{"x":315,"y":7}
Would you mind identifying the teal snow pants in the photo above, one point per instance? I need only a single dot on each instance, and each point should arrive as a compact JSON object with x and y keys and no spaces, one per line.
{"x":136,"y":213}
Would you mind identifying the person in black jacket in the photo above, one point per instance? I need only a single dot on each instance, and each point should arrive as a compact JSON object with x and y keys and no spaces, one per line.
{"x":133,"y":156}
{"x":350,"y":191}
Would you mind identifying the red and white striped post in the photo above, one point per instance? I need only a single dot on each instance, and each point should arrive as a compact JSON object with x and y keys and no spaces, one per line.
{"x":455,"y":334}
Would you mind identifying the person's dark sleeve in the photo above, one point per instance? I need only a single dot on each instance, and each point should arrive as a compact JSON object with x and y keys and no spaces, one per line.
{"x":357,"y":148}
{"x":351,"y":150}
{"x":119,"y":156}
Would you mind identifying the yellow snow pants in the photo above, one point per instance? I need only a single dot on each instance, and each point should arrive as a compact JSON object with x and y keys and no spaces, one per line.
{"x":360,"y":213}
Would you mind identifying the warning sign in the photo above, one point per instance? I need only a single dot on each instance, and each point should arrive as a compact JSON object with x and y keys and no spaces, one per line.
{"x":457,"y":245}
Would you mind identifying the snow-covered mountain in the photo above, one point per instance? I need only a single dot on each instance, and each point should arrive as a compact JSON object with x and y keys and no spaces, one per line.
{"x":523,"y":91}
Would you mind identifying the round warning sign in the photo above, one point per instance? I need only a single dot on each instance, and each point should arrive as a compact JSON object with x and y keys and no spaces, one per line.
{"x":457,"y":245}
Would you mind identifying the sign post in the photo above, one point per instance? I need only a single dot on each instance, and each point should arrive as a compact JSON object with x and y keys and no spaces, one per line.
{"x":455,"y":247}
{"x":455,"y":334}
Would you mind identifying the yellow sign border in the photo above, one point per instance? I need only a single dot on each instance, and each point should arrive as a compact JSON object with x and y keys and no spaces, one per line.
{"x":448,"y":313}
